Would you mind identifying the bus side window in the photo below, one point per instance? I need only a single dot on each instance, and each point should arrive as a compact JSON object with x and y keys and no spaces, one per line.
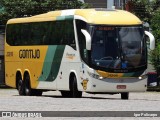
{"x":62,"y":27}
{"x":25,"y":33}
{"x":35,"y":34}
{"x":10,"y":34}
{"x":58,"y":32}
{"x":69,"y":37}
{"x":81,"y":39}
{"x":13,"y":36}
{"x":48,"y":33}
{"x":17,"y":36}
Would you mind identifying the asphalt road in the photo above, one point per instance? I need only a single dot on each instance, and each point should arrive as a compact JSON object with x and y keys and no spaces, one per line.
{"x":52,"y":101}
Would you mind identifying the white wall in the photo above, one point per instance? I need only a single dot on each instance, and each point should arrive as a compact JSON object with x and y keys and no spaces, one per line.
{"x":110,"y":3}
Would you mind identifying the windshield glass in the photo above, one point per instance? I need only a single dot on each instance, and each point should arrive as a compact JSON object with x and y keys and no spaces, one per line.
{"x":118,"y":47}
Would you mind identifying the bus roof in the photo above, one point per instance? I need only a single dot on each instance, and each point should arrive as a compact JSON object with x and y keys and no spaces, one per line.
{"x":92,"y":16}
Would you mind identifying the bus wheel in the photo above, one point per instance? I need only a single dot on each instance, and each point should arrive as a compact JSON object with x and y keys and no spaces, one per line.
{"x":20,"y":87}
{"x":73,"y":88}
{"x":28,"y":90}
{"x":125,"y":96}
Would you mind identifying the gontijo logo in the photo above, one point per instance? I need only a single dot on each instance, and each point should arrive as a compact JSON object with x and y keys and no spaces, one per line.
{"x":29,"y":53}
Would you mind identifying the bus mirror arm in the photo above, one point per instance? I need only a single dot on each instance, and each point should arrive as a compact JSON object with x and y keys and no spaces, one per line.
{"x":152,"y":40}
{"x":88,"y":39}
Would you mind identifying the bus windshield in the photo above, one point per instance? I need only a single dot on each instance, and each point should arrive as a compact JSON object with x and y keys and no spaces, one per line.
{"x":118,"y":47}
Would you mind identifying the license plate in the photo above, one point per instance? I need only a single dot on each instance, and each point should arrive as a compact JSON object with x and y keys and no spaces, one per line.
{"x":121,"y":87}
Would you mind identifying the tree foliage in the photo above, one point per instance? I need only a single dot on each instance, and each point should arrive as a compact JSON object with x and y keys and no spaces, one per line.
{"x":145,"y":9}
{"x":156,"y":24}
{"x":21,"y":8}
{"x":155,"y":54}
{"x":155,"y":58}
{"x":150,"y":12}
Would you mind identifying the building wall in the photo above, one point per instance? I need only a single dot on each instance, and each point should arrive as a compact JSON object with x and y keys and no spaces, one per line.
{"x":119,"y":4}
{"x":1,"y":45}
{"x":2,"y":79}
{"x":97,"y":3}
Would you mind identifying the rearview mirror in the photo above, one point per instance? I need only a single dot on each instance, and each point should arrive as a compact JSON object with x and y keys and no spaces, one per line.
{"x":152,"y":40}
{"x":88,"y":39}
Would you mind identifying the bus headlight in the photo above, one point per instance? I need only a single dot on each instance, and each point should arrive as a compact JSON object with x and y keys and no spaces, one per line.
{"x":142,"y":77}
{"x":101,"y":78}
{"x":95,"y":76}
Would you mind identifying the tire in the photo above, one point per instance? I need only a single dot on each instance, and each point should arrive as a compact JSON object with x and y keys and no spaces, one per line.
{"x":20,"y":86}
{"x":73,"y":88}
{"x":27,"y":85}
{"x":125,"y":96}
{"x":28,"y":90}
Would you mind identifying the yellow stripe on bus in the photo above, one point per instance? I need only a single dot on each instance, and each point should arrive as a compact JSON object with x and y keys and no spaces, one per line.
{"x":109,"y":75}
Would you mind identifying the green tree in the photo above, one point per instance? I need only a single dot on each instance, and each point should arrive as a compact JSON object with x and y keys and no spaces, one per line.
{"x":145,"y":9}
{"x":155,"y":24}
{"x":155,"y":54}
{"x":150,"y":12}
{"x":21,"y":8}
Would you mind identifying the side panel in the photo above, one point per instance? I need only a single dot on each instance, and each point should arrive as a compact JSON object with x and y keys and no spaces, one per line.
{"x":43,"y":66}
{"x":65,"y":62}
{"x":52,"y":63}
{"x":70,"y":63}
{"x":24,"y":58}
{"x":51,"y":68}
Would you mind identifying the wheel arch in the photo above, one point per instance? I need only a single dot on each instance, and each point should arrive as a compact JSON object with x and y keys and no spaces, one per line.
{"x":26,"y":71}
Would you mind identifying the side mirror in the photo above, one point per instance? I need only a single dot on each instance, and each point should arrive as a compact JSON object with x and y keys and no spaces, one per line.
{"x":88,"y":39}
{"x":152,"y":40}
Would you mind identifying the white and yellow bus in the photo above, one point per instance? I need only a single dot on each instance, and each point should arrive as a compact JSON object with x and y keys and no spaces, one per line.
{"x":75,"y":51}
